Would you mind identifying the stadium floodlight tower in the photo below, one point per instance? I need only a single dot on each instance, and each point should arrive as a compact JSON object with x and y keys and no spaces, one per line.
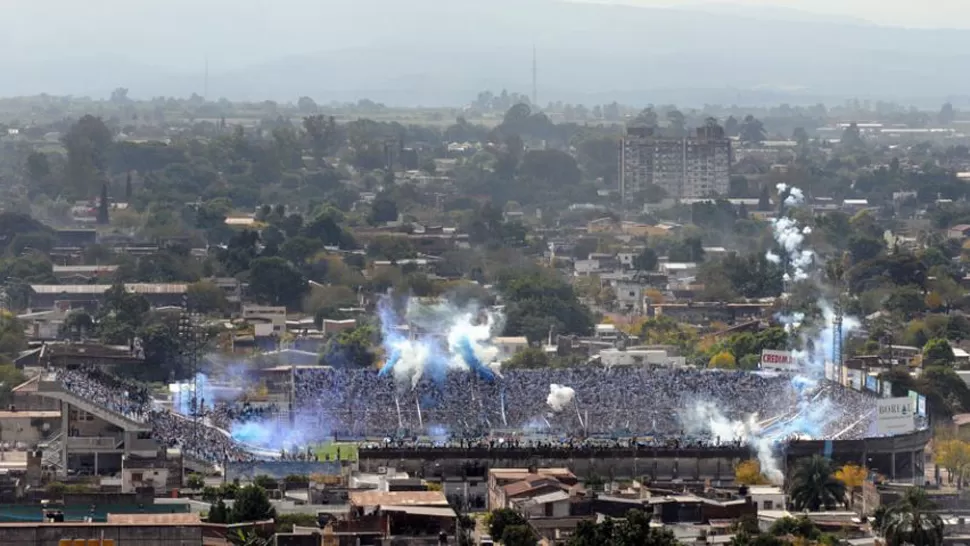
{"x":838,"y":312}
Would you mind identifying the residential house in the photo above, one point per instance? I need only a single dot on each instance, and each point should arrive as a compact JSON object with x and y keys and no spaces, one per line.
{"x":81,"y":274}
{"x":509,"y":345}
{"x":91,"y":296}
{"x":959,"y":232}
{"x":267,"y":320}
{"x":499,"y":478}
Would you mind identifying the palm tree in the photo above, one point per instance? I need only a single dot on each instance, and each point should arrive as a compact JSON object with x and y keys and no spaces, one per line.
{"x":247,"y":538}
{"x":814,"y":487}
{"x":911,"y":521}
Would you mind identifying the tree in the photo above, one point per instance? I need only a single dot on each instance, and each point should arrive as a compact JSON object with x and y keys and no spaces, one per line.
{"x":538,"y":303}
{"x":947,"y":114}
{"x":749,"y":473}
{"x":633,"y":530}
{"x":103,"y":206}
{"x":383,"y":209}
{"x":518,"y":535}
{"x":801,"y":527}
{"x":647,"y":118}
{"x":128,"y":187}
{"x":813,"y":485}
{"x":499,"y":520}
{"x":723,"y":360}
{"x":195,"y":481}
{"x":242,"y":537}
{"x":530,"y":358}
{"x":912,"y":520}
{"x":276,"y":282}
{"x":937,"y":352}
{"x":852,"y":476}
{"x":350,"y":349}
{"x":38,"y":167}
{"x":646,"y":260}
{"x":687,"y":250}
{"x":852,"y":138}
{"x":218,"y":512}
{"x":307,"y":105}
{"x":87,"y":143}
{"x":954,"y":456}
{"x":322,"y":133}
{"x":863,"y":248}
{"x":252,"y":504}
{"x":206,"y":297}
{"x":752,"y":131}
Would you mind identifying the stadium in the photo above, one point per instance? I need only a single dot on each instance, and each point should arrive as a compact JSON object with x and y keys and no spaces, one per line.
{"x":672,"y":425}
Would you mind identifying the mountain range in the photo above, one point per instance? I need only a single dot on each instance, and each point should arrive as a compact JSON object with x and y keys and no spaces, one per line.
{"x":432,"y":52}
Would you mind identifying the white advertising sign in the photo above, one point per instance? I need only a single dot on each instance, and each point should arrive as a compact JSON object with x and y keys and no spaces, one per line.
{"x":777,"y":360}
{"x":894,"y":416}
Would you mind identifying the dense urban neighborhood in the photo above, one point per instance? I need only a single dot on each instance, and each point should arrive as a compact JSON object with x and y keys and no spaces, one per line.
{"x":506,"y":322}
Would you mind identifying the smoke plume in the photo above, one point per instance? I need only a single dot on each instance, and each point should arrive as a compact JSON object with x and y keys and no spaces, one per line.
{"x":431,"y":340}
{"x":560,"y":396}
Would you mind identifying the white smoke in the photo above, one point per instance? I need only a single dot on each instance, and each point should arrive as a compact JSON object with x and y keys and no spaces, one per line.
{"x":812,"y":414}
{"x":560,"y":396}
{"x":790,"y":237}
{"x":438,"y":338}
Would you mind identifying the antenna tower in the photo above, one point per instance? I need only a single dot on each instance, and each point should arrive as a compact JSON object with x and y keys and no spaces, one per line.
{"x":535,"y":77}
{"x":205,"y":86}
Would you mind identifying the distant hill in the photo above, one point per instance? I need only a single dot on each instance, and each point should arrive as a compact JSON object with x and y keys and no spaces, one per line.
{"x":431,"y":52}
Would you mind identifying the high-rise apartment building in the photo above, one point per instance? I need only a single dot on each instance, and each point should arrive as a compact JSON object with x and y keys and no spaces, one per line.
{"x":694,"y":166}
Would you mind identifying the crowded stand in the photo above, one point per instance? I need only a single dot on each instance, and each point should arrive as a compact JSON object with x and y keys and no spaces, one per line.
{"x":647,"y":403}
{"x":195,"y":438}
{"x":120,"y":396}
{"x":645,"y":407}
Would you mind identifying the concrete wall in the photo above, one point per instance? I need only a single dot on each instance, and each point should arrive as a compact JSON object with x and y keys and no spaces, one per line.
{"x":660,"y":465}
{"x":146,"y":535}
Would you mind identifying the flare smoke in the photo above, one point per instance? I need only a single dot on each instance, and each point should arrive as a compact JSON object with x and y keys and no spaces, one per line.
{"x":560,"y":396}
{"x":811,"y":413}
{"x":435,"y":339}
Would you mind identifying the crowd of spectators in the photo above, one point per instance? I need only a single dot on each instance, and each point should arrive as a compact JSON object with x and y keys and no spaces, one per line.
{"x":193,"y":436}
{"x":225,"y":413}
{"x":93,"y":385}
{"x":196,"y":439}
{"x":652,"y":404}
{"x":647,"y":407}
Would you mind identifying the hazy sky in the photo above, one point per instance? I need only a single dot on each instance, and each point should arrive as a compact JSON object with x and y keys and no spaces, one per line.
{"x":905,"y":13}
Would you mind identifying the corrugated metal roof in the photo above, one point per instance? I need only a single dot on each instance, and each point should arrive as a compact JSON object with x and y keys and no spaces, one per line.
{"x":441,"y":512}
{"x":554,"y":496}
{"x":158,"y":519}
{"x":134,"y":288}
{"x":398,"y":498}
{"x":84,"y":268}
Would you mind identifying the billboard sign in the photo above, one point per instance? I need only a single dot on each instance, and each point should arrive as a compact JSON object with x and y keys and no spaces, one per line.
{"x":871,"y":383}
{"x":921,"y":406}
{"x":894,"y":416}
{"x":913,"y":400}
{"x":777,"y":360}
{"x":887,"y":389}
